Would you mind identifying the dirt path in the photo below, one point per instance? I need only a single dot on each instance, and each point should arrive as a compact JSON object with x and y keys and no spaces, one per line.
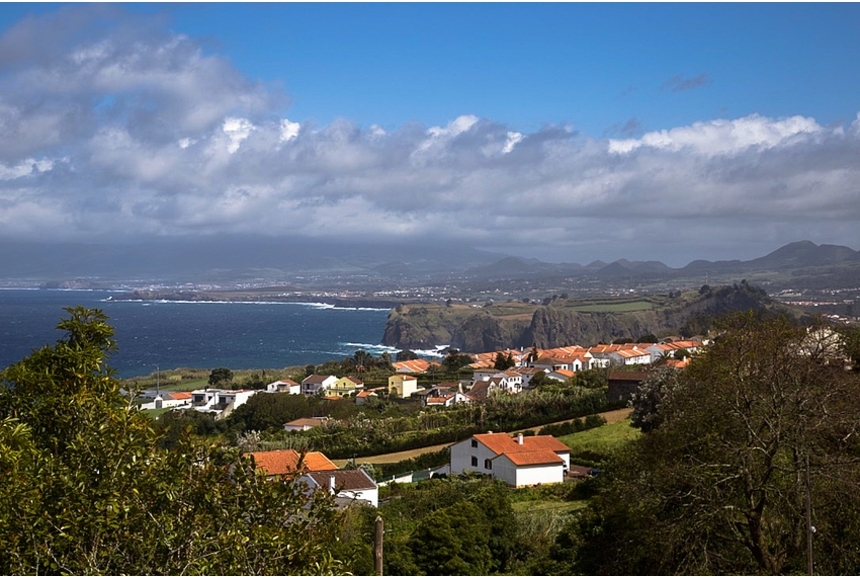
{"x":610,"y":416}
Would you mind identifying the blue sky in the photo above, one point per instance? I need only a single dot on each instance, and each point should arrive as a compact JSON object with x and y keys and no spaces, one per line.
{"x":558,"y":131}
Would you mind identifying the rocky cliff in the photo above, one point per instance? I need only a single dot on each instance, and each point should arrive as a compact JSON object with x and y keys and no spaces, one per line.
{"x":568,"y":322}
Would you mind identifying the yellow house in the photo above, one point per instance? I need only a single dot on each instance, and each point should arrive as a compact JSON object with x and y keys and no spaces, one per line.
{"x":345,"y":386}
{"x":402,"y":386}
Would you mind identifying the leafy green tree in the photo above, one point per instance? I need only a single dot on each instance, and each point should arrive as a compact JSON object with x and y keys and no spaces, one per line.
{"x":649,"y":401}
{"x":453,"y":541}
{"x":719,"y":486}
{"x":406,"y":355}
{"x":220,"y":378}
{"x":503,"y":361}
{"x":86,"y":489}
{"x":454,"y":361}
{"x":271,"y":410}
{"x":592,"y":379}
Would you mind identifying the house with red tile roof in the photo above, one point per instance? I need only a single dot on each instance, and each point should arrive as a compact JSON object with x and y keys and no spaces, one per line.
{"x":518,"y":461}
{"x":289,"y":461}
{"x":305,"y":423}
{"x":364,"y":396}
{"x":413,"y":367}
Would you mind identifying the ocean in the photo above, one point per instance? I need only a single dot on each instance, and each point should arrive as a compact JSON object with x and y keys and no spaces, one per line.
{"x":167,"y":335}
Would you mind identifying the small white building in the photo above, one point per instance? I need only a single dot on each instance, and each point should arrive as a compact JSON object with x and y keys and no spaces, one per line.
{"x":353,"y":485}
{"x":518,"y":461}
{"x":284,"y":386}
{"x":219,"y":400}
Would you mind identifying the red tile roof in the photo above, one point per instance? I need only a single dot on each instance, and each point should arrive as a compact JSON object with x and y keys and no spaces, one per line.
{"x":500,"y":443}
{"x":539,"y":457}
{"x":288,"y":461}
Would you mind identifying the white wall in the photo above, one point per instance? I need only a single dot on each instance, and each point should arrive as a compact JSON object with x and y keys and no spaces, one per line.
{"x":461,"y":457}
{"x":527,"y":475}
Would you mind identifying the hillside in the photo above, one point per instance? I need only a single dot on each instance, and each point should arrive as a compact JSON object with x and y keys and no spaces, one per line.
{"x":567,"y":321}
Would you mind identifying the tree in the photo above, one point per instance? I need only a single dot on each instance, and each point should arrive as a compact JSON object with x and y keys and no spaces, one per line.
{"x":86,"y":489}
{"x":719,"y":483}
{"x":220,"y":378}
{"x":406,"y":355}
{"x":363,"y":360}
{"x":503,"y":361}
{"x":454,"y":361}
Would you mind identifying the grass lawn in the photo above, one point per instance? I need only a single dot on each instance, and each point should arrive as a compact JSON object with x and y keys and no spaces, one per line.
{"x":154,"y":413}
{"x":615,"y":307}
{"x":554,"y":507}
{"x":184,"y":386}
{"x":602,"y":439}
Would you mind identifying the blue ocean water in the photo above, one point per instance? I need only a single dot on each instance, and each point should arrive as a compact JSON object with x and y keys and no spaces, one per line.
{"x":199,"y":335}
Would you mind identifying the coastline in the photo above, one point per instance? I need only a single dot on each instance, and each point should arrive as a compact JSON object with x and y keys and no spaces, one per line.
{"x":258,"y":297}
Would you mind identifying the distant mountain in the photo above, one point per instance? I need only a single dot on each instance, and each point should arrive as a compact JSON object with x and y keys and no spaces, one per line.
{"x":260,"y":259}
{"x":804,"y":254}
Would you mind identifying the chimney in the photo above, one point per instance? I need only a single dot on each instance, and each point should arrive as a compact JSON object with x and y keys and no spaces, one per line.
{"x":520,"y":439}
{"x":331,"y":484}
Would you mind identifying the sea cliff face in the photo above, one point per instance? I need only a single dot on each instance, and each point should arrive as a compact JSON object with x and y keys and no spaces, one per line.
{"x":582,"y":322}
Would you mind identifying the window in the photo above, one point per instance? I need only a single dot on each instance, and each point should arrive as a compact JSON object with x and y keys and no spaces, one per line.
{"x":474,"y":443}
{"x":474,"y":461}
{"x":488,"y":464}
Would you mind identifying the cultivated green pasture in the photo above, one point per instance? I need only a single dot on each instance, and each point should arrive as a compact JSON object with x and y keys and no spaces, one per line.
{"x":601,"y":440}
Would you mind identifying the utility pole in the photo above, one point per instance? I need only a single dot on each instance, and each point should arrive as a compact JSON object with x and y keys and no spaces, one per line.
{"x":809,"y":528}
{"x":377,"y":545}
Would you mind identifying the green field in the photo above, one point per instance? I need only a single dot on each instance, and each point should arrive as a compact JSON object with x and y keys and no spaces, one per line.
{"x":601,"y":440}
{"x":549,"y":506}
{"x":628,"y":307}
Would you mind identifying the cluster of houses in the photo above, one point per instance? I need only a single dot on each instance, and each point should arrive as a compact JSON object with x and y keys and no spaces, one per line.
{"x":560,"y":364}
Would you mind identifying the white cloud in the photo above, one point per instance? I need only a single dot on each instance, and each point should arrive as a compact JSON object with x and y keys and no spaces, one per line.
{"x":136,"y":132}
{"x":289,"y":130}
{"x":237,"y":130}
{"x":723,"y":136}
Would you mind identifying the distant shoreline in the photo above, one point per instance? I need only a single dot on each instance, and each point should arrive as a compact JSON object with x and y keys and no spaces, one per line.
{"x":256,"y":297}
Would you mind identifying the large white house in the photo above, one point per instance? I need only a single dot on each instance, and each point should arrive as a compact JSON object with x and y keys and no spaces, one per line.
{"x":218,"y":400}
{"x":313,"y":384}
{"x":518,"y":461}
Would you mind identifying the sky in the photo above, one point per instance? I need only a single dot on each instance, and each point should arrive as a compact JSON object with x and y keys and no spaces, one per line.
{"x":565,"y":132}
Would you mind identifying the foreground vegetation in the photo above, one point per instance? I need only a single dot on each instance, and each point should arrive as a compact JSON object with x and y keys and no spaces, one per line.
{"x":728,"y":459}
{"x":86,"y":489}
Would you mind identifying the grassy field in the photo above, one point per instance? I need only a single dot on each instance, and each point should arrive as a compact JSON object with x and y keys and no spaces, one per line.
{"x":610,"y":416}
{"x":548,"y":506}
{"x":603,"y":439}
{"x":615,"y":307}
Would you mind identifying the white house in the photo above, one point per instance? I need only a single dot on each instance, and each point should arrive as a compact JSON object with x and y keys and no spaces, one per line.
{"x":284,"y":386}
{"x":304,"y":424}
{"x":518,"y":461}
{"x":445,"y":399}
{"x":628,"y":357}
{"x":313,"y":384}
{"x":354,"y":484}
{"x":219,"y":401}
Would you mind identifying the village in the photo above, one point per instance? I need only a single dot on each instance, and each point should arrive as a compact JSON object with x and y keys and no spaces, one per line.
{"x":519,"y":460}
